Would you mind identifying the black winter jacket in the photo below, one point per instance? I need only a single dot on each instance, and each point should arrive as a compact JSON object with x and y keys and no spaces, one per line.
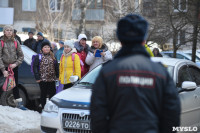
{"x":132,"y":94}
{"x":29,"y":42}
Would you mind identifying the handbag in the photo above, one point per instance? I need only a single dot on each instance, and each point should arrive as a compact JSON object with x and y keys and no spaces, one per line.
{"x":9,"y":83}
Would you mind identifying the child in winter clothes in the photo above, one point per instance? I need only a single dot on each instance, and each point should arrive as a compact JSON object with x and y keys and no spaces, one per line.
{"x":46,"y":71}
{"x":68,"y":67}
{"x":91,"y":59}
{"x":13,"y":56}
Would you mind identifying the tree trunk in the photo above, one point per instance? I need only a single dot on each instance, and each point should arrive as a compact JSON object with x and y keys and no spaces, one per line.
{"x":174,"y":43}
{"x":82,"y":26}
{"x":195,"y":30}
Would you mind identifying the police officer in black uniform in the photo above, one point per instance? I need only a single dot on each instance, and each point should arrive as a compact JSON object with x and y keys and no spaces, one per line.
{"x":132,"y":94}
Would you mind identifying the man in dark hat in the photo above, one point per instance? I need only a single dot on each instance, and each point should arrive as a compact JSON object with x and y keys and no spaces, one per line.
{"x":40,"y":39}
{"x":17,"y":37}
{"x":30,"y":41}
{"x":132,"y":94}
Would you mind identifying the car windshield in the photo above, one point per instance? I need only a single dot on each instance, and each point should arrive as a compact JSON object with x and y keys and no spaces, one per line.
{"x":197,"y":58}
{"x":91,"y":76}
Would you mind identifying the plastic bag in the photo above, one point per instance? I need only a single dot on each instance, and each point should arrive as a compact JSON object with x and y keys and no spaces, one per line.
{"x":59,"y":87}
{"x":9,"y":84}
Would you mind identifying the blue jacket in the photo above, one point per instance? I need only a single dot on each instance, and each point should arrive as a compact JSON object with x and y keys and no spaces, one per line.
{"x":37,"y":46}
{"x":132,"y":94}
{"x":59,"y":54}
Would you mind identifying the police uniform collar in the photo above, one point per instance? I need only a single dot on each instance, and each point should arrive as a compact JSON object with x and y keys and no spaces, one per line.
{"x":132,"y":50}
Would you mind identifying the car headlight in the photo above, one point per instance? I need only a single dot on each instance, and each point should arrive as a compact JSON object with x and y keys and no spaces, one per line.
{"x":51,"y":107}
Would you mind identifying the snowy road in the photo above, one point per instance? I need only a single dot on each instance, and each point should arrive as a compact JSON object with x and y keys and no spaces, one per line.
{"x":13,"y":120}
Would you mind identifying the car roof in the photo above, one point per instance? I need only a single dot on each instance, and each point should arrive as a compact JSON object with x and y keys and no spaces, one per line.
{"x":28,"y":53}
{"x":179,"y":52}
{"x":170,"y":61}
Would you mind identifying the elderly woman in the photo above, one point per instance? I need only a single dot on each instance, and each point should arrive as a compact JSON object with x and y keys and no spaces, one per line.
{"x":11,"y":54}
{"x":98,"y":53}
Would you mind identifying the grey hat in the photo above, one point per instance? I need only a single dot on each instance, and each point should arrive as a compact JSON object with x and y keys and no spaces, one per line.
{"x":8,"y":27}
{"x":69,"y":43}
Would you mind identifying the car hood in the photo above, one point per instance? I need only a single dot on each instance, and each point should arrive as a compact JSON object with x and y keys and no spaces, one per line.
{"x":74,"y":97}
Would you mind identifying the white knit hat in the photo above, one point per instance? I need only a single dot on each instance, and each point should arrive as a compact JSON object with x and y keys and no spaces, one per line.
{"x":81,"y":36}
{"x":69,"y":43}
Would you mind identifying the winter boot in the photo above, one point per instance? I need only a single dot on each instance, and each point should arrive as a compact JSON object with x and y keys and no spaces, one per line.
{"x":19,"y":104}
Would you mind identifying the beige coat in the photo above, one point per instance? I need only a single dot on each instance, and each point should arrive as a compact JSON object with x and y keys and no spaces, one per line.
{"x":9,"y":54}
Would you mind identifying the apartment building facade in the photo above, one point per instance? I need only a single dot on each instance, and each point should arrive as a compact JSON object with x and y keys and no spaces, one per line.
{"x":100,"y":17}
{"x":22,"y":14}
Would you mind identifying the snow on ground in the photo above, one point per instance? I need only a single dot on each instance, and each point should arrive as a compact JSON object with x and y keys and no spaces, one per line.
{"x":14,"y":120}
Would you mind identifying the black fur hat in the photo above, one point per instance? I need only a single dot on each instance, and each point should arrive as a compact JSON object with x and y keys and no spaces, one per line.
{"x":45,"y":43}
{"x":132,"y":29}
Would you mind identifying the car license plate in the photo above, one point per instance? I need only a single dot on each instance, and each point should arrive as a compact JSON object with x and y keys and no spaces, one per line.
{"x":75,"y":124}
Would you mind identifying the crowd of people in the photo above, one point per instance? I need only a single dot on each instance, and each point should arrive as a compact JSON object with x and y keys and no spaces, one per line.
{"x":52,"y":64}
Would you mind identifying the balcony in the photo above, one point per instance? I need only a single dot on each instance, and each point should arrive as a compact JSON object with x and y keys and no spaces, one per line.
{"x":91,"y":14}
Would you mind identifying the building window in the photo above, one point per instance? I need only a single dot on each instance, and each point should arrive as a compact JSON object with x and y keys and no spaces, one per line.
{"x":180,"y":5}
{"x":55,"y":5}
{"x":3,"y":3}
{"x":29,"y":5}
{"x":181,"y":37}
{"x":28,"y":30}
{"x":92,"y":4}
{"x":95,"y":4}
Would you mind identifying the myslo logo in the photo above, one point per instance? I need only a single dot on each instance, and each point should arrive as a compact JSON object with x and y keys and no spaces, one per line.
{"x":186,"y":129}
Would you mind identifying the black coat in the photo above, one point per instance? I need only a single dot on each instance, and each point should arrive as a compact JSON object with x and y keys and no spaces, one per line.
{"x":132,"y":94}
{"x":19,"y":39}
{"x":30,"y":42}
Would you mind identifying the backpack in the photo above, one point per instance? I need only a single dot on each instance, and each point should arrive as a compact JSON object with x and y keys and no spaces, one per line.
{"x":73,"y":57}
{"x":33,"y":59}
{"x":2,"y":44}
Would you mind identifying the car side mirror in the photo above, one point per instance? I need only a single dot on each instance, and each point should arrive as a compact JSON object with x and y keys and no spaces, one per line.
{"x":73,"y":79}
{"x":188,"y":85}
